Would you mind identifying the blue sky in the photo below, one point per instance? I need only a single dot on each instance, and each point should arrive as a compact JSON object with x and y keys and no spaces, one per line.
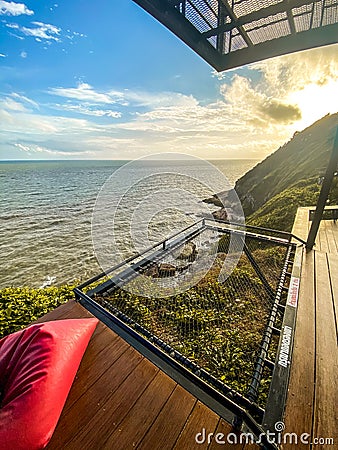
{"x":81,"y":80}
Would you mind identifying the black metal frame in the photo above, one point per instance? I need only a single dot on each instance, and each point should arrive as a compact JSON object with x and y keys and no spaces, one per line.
{"x":172,"y":14}
{"x":220,"y":397}
{"x":270,"y":330}
{"x":275,"y":406}
{"x":331,"y":210}
{"x":323,"y":195}
{"x":162,"y":244}
{"x":227,"y":407}
{"x":265,"y":233}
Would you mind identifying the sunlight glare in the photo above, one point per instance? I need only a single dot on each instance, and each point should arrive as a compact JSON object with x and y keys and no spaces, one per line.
{"x":315,"y":101}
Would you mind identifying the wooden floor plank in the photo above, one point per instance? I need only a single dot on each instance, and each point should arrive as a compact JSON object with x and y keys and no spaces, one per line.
{"x":142,"y":415}
{"x":301,"y":223}
{"x":200,"y":418}
{"x":324,"y":244}
{"x":330,"y":237}
{"x":112,"y":410}
{"x":318,"y":243}
{"x":302,"y":377}
{"x":99,"y":357}
{"x":221,"y":441}
{"x":90,"y":407}
{"x":170,"y":422}
{"x":120,"y":398}
{"x":326,"y":392}
{"x":334,"y":235}
{"x":333,"y":266}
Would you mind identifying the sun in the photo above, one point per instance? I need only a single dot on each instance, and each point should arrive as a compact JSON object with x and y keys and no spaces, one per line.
{"x":315,"y":100}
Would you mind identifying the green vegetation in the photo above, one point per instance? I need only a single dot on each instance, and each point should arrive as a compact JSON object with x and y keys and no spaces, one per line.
{"x":304,"y":157}
{"x":280,"y":211}
{"x":21,"y":306}
{"x":219,"y":326}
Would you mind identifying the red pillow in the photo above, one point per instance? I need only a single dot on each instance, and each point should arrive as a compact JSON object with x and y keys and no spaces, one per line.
{"x":37,"y":368}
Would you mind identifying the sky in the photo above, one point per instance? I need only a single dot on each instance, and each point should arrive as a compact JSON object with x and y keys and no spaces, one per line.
{"x":86,"y":80}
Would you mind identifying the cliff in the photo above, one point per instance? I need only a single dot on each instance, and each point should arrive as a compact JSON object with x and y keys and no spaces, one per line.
{"x":295,"y":166}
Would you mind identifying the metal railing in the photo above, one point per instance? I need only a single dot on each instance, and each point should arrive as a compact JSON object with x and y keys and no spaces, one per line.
{"x":222,"y":336}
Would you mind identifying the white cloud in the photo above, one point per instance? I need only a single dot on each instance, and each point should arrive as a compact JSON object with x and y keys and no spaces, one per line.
{"x":42,"y":31}
{"x":83,"y":92}
{"x":2,"y":55}
{"x":34,"y":149}
{"x":306,"y":79}
{"x":74,"y":35}
{"x":11,"y":105}
{"x":23,"y":54}
{"x":15,"y":26}
{"x":48,"y":27}
{"x":24,"y":99}
{"x":21,"y":38}
{"x":157,"y":99}
{"x":14,"y":9}
{"x":255,"y":107}
{"x":258,"y":109}
{"x":90,"y":110}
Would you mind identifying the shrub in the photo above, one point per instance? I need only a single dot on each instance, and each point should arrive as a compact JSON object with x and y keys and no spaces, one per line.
{"x":19,"y":306}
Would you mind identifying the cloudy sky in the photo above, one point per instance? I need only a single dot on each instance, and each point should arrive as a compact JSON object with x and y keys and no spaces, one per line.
{"x":85,"y":80}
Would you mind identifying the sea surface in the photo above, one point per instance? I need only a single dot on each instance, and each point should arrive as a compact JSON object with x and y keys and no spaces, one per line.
{"x":48,"y":207}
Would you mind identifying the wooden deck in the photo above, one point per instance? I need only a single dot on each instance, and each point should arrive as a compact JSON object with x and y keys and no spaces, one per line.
{"x":120,"y":400}
{"x":312,"y":401}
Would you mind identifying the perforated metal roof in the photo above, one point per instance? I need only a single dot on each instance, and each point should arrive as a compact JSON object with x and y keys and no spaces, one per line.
{"x":232,"y":33}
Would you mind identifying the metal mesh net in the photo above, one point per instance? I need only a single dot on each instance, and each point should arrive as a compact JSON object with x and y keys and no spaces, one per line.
{"x":261,"y":21}
{"x":217,"y":326}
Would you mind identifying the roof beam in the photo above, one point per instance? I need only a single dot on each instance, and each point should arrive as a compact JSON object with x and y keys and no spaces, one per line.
{"x":304,"y":40}
{"x":172,"y":19}
{"x":290,"y":17}
{"x":263,"y":13}
{"x":234,"y":19}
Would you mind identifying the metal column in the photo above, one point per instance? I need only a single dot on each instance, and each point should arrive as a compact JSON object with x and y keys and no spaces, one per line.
{"x":324,"y":192}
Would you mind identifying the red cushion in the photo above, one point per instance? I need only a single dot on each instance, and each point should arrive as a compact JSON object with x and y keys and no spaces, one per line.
{"x":37,"y":368}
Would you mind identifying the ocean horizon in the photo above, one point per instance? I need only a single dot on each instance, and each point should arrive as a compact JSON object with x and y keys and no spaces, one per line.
{"x":47,"y":206}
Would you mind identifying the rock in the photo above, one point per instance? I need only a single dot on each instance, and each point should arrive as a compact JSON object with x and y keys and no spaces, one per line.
{"x":188,"y":252}
{"x":152,"y":271}
{"x":220,"y":214}
{"x":166,"y":270}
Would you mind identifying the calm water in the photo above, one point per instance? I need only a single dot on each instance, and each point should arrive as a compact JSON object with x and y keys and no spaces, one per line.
{"x":46,"y":214}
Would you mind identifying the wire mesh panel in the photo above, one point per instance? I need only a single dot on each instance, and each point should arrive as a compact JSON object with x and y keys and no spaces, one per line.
{"x":231,"y":33}
{"x":216,"y":326}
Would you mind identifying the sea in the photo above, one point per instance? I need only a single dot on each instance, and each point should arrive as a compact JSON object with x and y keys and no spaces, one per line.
{"x":51,"y":211}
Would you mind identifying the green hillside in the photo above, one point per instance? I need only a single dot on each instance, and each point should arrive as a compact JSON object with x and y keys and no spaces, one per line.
{"x":288,"y":177}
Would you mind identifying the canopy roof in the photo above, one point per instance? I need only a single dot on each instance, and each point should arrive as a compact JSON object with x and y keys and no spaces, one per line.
{"x":232,"y":33}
